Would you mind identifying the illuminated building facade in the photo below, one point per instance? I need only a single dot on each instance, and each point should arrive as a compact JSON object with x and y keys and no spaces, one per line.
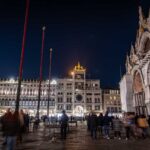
{"x":135,"y":84}
{"x":77,"y":95}
{"x":111,"y":101}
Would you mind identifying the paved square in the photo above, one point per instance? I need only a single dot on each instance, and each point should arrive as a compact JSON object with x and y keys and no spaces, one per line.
{"x":78,"y":139}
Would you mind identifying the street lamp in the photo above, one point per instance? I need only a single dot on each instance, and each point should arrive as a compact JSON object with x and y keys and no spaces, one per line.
{"x":22,"y":56}
{"x":72,"y":73}
{"x":41,"y":69}
{"x":49,"y":90}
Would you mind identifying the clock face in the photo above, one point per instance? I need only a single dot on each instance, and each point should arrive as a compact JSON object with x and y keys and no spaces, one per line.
{"x":79,"y":97}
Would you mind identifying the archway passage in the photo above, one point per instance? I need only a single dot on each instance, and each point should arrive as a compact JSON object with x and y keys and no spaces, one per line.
{"x":139,"y":94}
{"x":79,"y":111}
{"x":147,"y":45}
{"x":148,"y":75}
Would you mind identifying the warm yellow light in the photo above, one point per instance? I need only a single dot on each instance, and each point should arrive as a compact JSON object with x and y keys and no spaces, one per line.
{"x":72,"y":73}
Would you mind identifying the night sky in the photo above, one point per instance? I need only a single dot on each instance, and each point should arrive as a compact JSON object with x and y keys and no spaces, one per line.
{"x":98,"y":34}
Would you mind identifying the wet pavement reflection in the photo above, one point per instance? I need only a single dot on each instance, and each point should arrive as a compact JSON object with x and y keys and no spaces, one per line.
{"x":78,"y":139}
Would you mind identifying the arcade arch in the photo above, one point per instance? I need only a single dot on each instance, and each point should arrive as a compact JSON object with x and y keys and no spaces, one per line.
{"x":144,"y":43}
{"x":79,"y":111}
{"x":148,"y":74}
{"x":139,"y":94}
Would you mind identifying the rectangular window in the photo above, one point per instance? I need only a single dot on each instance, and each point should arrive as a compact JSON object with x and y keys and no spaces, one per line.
{"x":68,"y":107}
{"x":97,"y":100}
{"x":88,"y":93}
{"x":69,"y":100}
{"x":97,"y":107}
{"x":89,"y":107}
{"x":116,"y":110}
{"x":97,"y":94}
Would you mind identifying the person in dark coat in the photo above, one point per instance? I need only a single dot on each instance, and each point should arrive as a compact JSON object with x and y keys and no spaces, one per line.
{"x":88,"y":121}
{"x":100,"y":123}
{"x":26,"y":122}
{"x":7,"y":114}
{"x":64,"y":124}
{"x":10,"y":129}
{"x":36,"y":124}
{"x":93,"y":125}
{"x":106,"y":123}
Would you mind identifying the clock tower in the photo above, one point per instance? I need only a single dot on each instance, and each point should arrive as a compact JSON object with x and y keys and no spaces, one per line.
{"x":78,"y":96}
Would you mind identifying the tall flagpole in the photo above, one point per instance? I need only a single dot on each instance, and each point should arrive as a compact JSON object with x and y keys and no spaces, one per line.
{"x":49,"y":91}
{"x":22,"y":56}
{"x":41,"y":69}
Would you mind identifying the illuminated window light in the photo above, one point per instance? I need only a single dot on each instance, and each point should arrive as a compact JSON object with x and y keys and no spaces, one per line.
{"x":54,"y":82}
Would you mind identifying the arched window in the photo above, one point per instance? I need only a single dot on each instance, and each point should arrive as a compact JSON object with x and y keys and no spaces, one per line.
{"x":137,"y":83}
{"x":147,"y":45}
{"x":148,"y":74}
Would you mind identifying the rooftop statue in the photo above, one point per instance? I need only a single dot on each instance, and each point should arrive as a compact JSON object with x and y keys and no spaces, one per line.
{"x":143,"y":23}
{"x":78,"y":67}
{"x":128,"y":65}
{"x":133,"y":56}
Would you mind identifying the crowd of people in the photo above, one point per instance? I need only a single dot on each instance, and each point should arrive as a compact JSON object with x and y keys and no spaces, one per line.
{"x":133,"y":125}
{"x":14,"y":125}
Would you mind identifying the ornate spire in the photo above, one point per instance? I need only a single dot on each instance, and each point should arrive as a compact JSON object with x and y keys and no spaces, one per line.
{"x":128,"y":65}
{"x":141,"y":17}
{"x":132,"y":50}
{"x":148,"y":19}
{"x":78,"y":67}
{"x":133,"y":59}
{"x":127,"y":61}
{"x":143,"y":22}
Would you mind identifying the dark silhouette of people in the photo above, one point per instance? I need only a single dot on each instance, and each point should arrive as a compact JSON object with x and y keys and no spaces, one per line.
{"x":88,"y":122}
{"x":64,"y":124}
{"x":100,"y":123}
{"x":93,"y":125}
{"x":106,"y":124}
{"x":10,"y":129}
{"x":117,"y":126}
{"x":26,"y":122}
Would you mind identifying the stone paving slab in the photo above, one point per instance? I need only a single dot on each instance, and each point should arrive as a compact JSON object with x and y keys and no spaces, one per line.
{"x":78,"y":139}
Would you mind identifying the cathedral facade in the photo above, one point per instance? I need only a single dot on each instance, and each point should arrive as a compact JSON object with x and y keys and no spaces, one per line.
{"x":135,"y":84}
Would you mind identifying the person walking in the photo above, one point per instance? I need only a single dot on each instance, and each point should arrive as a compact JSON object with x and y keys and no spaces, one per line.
{"x":7,"y":114}
{"x":128,"y":123}
{"x":22,"y":125}
{"x":26,"y":122}
{"x":93,"y":125}
{"x":106,"y":124}
{"x":117,"y":126}
{"x":143,"y":124}
{"x":64,"y":124}
{"x":10,"y":129}
{"x":88,"y":121}
{"x":36,"y":123}
{"x":100,"y":124}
